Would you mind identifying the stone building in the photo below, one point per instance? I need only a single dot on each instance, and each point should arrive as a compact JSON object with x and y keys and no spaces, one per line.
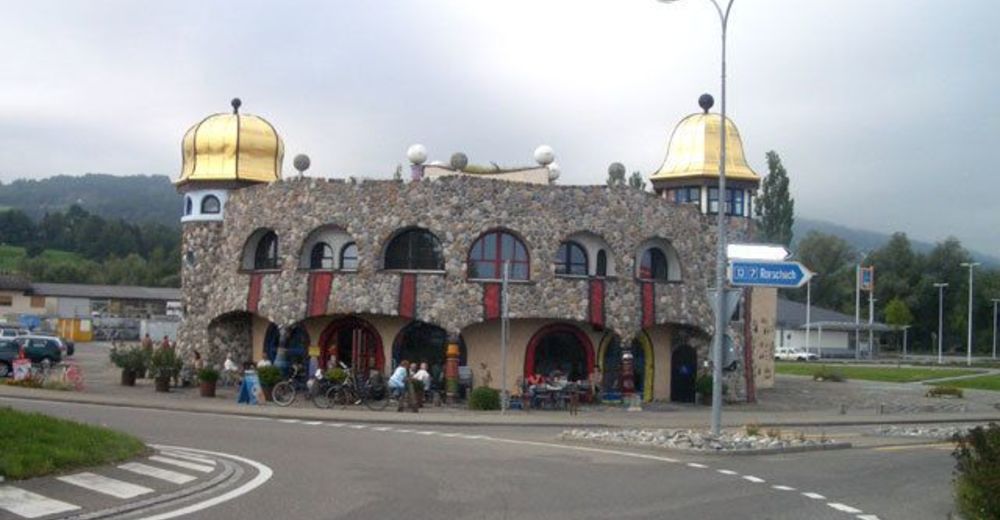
{"x":377,"y":271}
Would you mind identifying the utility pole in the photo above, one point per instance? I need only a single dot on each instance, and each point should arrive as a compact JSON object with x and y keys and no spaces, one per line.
{"x":940,"y":287}
{"x":968,"y":354}
{"x":995,"y":301}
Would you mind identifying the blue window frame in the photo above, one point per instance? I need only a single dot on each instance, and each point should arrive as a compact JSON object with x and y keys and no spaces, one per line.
{"x":688,"y":195}
{"x":734,"y":201}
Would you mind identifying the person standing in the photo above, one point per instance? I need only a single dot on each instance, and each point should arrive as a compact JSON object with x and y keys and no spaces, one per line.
{"x":397,"y":381}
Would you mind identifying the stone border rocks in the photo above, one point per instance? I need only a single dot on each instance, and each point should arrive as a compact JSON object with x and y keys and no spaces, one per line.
{"x":701,"y":442}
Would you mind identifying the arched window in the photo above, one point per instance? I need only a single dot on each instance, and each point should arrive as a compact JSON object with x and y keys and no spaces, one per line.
{"x":349,"y":257}
{"x":210,"y":204}
{"x":266,"y":254}
{"x":321,"y":256}
{"x":188,"y":205}
{"x":414,"y":249}
{"x":653,"y":265}
{"x":602,"y":263}
{"x":571,"y":259}
{"x":491,"y":250}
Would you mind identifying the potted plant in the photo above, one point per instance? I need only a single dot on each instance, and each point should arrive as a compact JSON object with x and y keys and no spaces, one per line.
{"x":336,"y":375}
{"x":132,"y":360}
{"x":207,"y":379}
{"x":164,"y":365}
{"x":269,"y":376}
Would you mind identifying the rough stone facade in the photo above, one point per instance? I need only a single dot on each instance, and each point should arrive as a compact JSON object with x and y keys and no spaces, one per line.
{"x":457,"y":210}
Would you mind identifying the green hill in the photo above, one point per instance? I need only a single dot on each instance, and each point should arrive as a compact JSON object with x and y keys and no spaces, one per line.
{"x":10,"y":257}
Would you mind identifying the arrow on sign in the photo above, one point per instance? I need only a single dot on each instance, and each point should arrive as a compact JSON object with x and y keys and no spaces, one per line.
{"x":768,"y":274}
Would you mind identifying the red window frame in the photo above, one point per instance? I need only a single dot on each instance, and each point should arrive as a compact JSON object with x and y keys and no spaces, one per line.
{"x":520,"y":265}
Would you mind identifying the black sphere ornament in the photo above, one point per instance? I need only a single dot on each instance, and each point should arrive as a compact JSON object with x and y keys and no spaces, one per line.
{"x":236,"y":103}
{"x":706,"y":102}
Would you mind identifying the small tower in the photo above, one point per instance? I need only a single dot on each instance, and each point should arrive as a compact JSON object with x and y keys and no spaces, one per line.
{"x":224,"y":152}
{"x":690,"y":172}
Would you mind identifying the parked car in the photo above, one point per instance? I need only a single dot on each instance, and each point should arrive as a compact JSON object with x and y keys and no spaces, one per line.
{"x":794,"y":354}
{"x":8,"y":353}
{"x":8,"y":332}
{"x":69,"y":346}
{"x":41,"y":349}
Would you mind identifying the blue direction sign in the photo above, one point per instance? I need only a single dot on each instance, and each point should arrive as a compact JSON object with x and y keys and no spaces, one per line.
{"x":768,"y":274}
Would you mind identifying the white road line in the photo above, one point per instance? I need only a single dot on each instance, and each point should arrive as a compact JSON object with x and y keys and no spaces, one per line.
{"x":31,"y":505}
{"x":313,"y":423}
{"x":867,"y":517}
{"x":401,"y":430}
{"x":201,"y":468}
{"x":357,"y":426}
{"x":754,"y":479}
{"x":696,"y":465}
{"x":106,"y":485}
{"x":426,"y":433}
{"x":844,"y":507}
{"x":188,"y":456}
{"x":382,"y":429}
{"x":450,"y":435}
{"x":264,"y":474}
{"x":289,"y":421}
{"x":726,"y":471}
{"x":783,"y":488}
{"x":336,"y":424}
{"x":814,"y":496}
{"x":160,"y":473}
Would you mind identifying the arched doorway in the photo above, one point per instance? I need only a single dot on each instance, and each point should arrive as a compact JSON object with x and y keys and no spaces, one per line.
{"x":296,"y":349}
{"x":353,"y":341}
{"x":683,"y":371}
{"x":560,"y":347}
{"x":423,"y":342}
{"x":610,"y":362}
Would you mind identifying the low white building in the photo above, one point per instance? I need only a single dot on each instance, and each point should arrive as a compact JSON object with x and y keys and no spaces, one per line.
{"x":831,"y":333}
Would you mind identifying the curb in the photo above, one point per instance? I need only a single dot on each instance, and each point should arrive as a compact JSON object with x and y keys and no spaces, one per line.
{"x":716,"y":453}
{"x":458,"y":422}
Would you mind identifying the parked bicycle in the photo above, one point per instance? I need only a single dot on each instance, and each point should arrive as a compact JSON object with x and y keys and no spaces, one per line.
{"x":285,"y":392}
{"x":372,"y":392}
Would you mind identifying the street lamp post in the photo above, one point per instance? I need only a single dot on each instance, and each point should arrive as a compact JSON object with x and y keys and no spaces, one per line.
{"x":808,"y":311}
{"x":968,"y":354}
{"x":905,"y":328}
{"x":995,"y":301}
{"x":940,"y":287}
{"x":720,"y":261}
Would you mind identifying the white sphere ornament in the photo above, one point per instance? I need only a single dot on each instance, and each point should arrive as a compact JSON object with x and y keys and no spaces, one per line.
{"x":417,"y":154}
{"x":544,"y":155}
{"x":554,"y":171}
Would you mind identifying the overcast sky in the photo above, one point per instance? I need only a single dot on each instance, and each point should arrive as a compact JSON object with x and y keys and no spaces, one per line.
{"x":885,"y":112}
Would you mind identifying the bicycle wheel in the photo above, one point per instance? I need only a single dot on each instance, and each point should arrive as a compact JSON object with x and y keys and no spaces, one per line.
{"x":283,"y":394}
{"x":343,"y":396}
{"x":376,"y":396}
{"x":322,"y":398}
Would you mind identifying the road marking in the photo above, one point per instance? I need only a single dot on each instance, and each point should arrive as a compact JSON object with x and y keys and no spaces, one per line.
{"x":931,"y":445}
{"x":289,"y":421}
{"x":843,"y":507}
{"x":401,"y":430}
{"x":357,"y":426}
{"x":313,"y":423}
{"x":31,"y":505}
{"x":160,"y":473}
{"x":105,"y":485}
{"x":867,"y":517}
{"x":382,"y":429}
{"x":450,"y":435}
{"x":188,"y":456}
{"x":336,"y":424}
{"x":264,"y":474}
{"x":783,"y":488}
{"x":726,"y":471}
{"x":754,"y":479}
{"x":201,"y":468}
{"x":696,"y":465}
{"x":814,"y":496}
{"x":425,"y":433}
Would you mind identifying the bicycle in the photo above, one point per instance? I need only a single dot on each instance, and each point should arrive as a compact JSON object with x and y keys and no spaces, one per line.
{"x":285,"y":392}
{"x":373,"y":392}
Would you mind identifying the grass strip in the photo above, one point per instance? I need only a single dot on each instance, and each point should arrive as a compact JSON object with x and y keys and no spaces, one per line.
{"x":35,"y":445}
{"x":875,"y":373}
{"x":991,"y":382}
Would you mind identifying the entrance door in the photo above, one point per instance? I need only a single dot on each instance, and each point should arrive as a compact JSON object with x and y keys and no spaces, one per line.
{"x":683,"y":370}
{"x":355,"y":343}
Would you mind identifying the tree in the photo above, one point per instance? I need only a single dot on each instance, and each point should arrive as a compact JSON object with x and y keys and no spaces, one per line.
{"x":897,"y":314}
{"x":833,"y":259}
{"x":636,"y":181}
{"x":775,"y":208}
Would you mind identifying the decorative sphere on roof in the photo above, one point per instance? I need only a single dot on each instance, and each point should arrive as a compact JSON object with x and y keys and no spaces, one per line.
{"x":459,"y":161}
{"x":554,"y":171}
{"x":706,"y":102}
{"x":301,"y":162}
{"x":417,"y":154}
{"x":544,"y":155}
{"x":616,"y":169}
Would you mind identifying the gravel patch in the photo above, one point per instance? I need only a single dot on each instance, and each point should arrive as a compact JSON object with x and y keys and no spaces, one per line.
{"x":944,"y":432}
{"x":695,"y":440}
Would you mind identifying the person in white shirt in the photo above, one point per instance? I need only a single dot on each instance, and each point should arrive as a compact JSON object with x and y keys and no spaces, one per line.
{"x":397,"y":381}
{"x":231,"y":370}
{"x":424,"y":377}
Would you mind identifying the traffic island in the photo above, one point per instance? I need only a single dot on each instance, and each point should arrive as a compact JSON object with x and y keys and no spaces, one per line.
{"x":37,"y":445}
{"x":702,"y":442}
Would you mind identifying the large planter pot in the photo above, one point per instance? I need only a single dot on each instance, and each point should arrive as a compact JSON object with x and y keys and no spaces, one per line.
{"x":207,"y":388}
{"x":267,"y":392}
{"x":128,"y":377}
{"x":162,"y":384}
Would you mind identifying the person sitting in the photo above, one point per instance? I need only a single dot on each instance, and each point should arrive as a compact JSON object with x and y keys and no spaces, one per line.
{"x":397,"y":381}
{"x":424,"y":377}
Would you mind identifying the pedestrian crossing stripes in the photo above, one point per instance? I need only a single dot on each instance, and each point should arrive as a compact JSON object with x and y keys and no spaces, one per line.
{"x":159,"y":473}
{"x":106,"y":485}
{"x":31,"y":505}
{"x":190,"y":457}
{"x":201,"y":468}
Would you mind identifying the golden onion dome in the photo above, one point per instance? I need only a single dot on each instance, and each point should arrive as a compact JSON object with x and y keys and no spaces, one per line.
{"x":694,"y":151}
{"x":232,"y":147}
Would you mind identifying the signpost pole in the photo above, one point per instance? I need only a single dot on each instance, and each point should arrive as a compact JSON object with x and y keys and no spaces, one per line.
{"x":504,"y":324}
{"x":857,"y":312}
{"x":808,"y":313}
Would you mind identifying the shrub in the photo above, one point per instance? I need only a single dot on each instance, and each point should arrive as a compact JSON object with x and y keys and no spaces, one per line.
{"x":825,"y":373}
{"x":774,"y":433}
{"x":208,"y":375}
{"x":752,"y":429}
{"x":132,"y":358}
{"x":484,"y":398}
{"x":941,"y":391}
{"x":336,"y":375}
{"x":977,"y":472}
{"x":164,"y":363}
{"x":703,"y":386}
{"x":269,"y":375}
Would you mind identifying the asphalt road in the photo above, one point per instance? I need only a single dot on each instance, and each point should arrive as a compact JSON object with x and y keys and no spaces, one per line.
{"x":332,"y":470}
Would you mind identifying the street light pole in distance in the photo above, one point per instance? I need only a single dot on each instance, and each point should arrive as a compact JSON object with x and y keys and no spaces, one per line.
{"x":995,"y":301}
{"x":940,"y":287}
{"x":968,"y":354}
